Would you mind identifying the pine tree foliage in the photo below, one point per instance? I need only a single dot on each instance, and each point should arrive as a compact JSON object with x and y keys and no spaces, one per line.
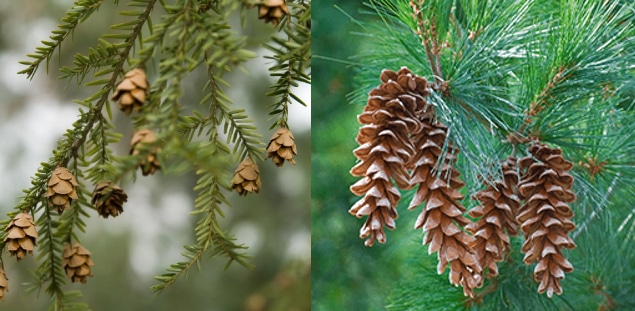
{"x":168,"y":40}
{"x":507,"y":77}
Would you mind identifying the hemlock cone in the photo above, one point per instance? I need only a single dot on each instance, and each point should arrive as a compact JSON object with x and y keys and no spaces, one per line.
{"x":61,"y":189}
{"x":246,"y":177}
{"x":282,"y":147}
{"x":21,"y":235}
{"x":76,"y":262}
{"x":4,"y":283}
{"x":132,"y":91}
{"x":150,"y":164}
{"x":272,"y":11}
{"x":108,"y":198}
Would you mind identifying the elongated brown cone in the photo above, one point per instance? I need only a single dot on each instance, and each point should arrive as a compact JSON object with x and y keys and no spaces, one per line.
{"x":150,"y":164}
{"x":442,"y":216}
{"x":272,"y":11}
{"x":21,"y":235}
{"x":246,"y":177}
{"x":60,"y":189}
{"x":497,"y":218}
{"x":131,"y":92}
{"x":282,"y":147}
{"x":545,"y":218}
{"x":4,"y":283}
{"x":388,"y":120}
{"x":76,"y":262}
{"x":108,"y":198}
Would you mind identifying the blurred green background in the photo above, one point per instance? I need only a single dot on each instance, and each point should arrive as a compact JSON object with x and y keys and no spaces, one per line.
{"x":130,"y":249}
{"x":345,"y":274}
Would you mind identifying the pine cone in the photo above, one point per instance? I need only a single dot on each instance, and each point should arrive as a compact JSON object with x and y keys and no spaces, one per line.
{"x":61,"y":189}
{"x":272,"y":11}
{"x":150,"y":164}
{"x":76,"y":262}
{"x":388,"y":120}
{"x":282,"y":147}
{"x":545,"y":217}
{"x":131,"y":91}
{"x":442,"y":216}
{"x":246,"y":177}
{"x":4,"y":283}
{"x":21,"y":235}
{"x":497,"y":213}
{"x":109,"y":198}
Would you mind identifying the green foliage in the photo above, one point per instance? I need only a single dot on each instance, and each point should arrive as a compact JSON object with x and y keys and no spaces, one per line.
{"x":557,"y":71}
{"x":190,"y":34}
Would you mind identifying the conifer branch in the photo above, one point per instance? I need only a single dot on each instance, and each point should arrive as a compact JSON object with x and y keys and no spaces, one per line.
{"x":81,"y":10}
{"x":292,"y":59}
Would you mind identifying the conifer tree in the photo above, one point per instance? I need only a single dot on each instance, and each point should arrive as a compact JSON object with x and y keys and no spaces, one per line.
{"x":140,"y":67}
{"x":520,"y":146}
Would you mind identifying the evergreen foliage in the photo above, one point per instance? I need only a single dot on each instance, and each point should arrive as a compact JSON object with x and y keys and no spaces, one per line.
{"x":184,"y":36}
{"x":508,"y":73}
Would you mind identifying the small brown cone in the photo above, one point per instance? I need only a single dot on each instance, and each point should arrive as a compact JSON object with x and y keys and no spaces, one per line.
{"x":282,"y":147}
{"x":545,"y":217}
{"x":4,"y":283}
{"x":272,"y":11}
{"x":108,"y":198}
{"x":150,"y":164}
{"x":21,"y":235}
{"x":497,"y":218}
{"x":76,"y":262}
{"x":60,"y":189}
{"x":388,"y":120}
{"x":442,"y":216}
{"x":131,"y":92}
{"x":246,"y":177}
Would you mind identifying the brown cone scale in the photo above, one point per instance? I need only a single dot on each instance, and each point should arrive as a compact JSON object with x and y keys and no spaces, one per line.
{"x":131,"y":92}
{"x":108,"y":198}
{"x":282,"y":147}
{"x":4,"y":283}
{"x":442,"y":216}
{"x":272,"y":11}
{"x":60,"y":189}
{"x":77,"y":263}
{"x":21,"y":235}
{"x":150,"y":164}
{"x":246,"y":178}
{"x":545,"y":217}
{"x":497,"y":218}
{"x":388,"y":120}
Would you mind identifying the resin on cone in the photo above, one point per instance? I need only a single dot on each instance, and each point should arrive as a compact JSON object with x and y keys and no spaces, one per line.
{"x":545,"y":217}
{"x":21,"y":235}
{"x":282,"y":147}
{"x":131,"y":92}
{"x":108,"y":198}
{"x":388,"y":120}
{"x":272,"y":11}
{"x":60,"y":189}
{"x":496,"y":218}
{"x":77,"y":263}
{"x":246,"y":177}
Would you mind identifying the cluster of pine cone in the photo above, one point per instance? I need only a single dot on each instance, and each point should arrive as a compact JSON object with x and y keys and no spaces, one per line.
{"x":403,"y":146}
